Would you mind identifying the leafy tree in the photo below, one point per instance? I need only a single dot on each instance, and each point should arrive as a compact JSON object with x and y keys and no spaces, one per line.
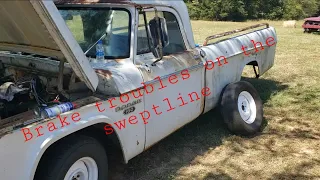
{"x":298,"y":9}
{"x":240,"y":10}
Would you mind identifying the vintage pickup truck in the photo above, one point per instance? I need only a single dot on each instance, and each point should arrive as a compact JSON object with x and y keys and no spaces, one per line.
{"x":61,"y":107}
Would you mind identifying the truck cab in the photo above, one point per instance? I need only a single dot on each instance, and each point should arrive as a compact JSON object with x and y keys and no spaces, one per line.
{"x":152,"y":80}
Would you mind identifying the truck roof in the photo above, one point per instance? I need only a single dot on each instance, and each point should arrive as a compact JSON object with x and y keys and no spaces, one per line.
{"x":59,"y":2}
{"x":128,"y":2}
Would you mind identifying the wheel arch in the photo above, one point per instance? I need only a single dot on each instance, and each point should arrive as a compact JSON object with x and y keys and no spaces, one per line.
{"x":85,"y":130}
{"x":254,"y":64}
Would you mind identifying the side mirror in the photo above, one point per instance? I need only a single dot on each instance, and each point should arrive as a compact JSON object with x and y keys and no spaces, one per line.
{"x":159,"y":35}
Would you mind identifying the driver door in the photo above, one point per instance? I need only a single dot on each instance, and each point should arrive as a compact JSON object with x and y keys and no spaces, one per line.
{"x":173,"y":85}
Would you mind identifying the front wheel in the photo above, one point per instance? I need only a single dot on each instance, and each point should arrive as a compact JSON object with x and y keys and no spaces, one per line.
{"x":75,"y":158}
{"x":241,"y":108}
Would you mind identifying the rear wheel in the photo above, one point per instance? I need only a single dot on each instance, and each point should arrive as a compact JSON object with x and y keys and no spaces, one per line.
{"x":242,"y":108}
{"x":76,"y":158}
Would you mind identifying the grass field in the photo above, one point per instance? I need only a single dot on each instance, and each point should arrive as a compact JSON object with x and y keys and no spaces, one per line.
{"x":288,"y":147}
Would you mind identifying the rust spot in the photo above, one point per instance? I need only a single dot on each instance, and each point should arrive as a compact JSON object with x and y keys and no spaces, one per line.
{"x":19,"y":117}
{"x":2,"y":134}
{"x":61,"y":2}
{"x":119,"y":60}
{"x":233,"y":32}
{"x":85,"y":101}
{"x":103,"y":72}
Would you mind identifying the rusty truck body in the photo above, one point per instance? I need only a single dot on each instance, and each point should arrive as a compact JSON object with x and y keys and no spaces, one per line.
{"x":48,"y":58}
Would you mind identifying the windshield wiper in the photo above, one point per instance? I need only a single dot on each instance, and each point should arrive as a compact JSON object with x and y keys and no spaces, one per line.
{"x":103,"y":36}
{"x":108,"y":29}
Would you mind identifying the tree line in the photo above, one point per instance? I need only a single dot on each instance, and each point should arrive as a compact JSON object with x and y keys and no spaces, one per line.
{"x":241,"y":10}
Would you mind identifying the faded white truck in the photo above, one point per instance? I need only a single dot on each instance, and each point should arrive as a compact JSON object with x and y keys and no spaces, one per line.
{"x":152,"y":80}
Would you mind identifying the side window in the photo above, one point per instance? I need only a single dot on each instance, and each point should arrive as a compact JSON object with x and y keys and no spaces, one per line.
{"x":176,"y":43}
{"x":143,"y":41}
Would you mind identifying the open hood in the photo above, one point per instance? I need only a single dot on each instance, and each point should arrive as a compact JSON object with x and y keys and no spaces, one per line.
{"x":37,"y":27}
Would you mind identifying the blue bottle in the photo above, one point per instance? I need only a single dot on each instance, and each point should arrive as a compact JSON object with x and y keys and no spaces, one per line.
{"x":56,"y":110}
{"x":99,"y":51}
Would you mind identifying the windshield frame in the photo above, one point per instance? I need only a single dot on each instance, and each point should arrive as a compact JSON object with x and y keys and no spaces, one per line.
{"x":105,"y":7}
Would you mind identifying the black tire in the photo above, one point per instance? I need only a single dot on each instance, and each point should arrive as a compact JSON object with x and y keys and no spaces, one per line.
{"x":61,"y":157}
{"x":230,"y":110}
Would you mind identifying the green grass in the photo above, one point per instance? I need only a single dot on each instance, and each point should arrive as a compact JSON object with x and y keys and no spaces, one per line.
{"x":288,"y":147}
{"x":76,"y":27}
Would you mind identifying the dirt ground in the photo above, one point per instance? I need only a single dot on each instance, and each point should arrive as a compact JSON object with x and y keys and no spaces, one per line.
{"x":287,"y":148}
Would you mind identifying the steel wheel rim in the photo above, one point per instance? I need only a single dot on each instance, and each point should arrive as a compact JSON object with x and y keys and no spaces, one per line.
{"x":83,"y":169}
{"x":247,"y":107}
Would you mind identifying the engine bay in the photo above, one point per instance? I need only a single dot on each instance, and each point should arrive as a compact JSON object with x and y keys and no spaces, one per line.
{"x":22,"y":94}
{"x":34,"y":86}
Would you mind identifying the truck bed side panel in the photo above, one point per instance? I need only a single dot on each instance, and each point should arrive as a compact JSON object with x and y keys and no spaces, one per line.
{"x":220,"y":76}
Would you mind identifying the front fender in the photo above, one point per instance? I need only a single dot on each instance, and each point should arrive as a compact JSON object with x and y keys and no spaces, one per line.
{"x":40,"y":146}
{"x":20,"y":158}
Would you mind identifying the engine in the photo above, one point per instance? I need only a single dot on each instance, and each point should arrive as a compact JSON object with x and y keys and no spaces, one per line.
{"x":19,"y":94}
{"x":35,"y":84}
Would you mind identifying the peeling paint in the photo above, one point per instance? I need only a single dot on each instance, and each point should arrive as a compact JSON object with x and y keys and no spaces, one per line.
{"x":117,"y":78}
{"x":104,"y":72}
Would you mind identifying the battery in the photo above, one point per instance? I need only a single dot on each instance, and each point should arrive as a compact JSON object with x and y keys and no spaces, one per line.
{"x":56,"y":110}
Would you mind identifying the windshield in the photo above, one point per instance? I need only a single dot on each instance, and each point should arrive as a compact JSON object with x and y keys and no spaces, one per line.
{"x":89,"y":25}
